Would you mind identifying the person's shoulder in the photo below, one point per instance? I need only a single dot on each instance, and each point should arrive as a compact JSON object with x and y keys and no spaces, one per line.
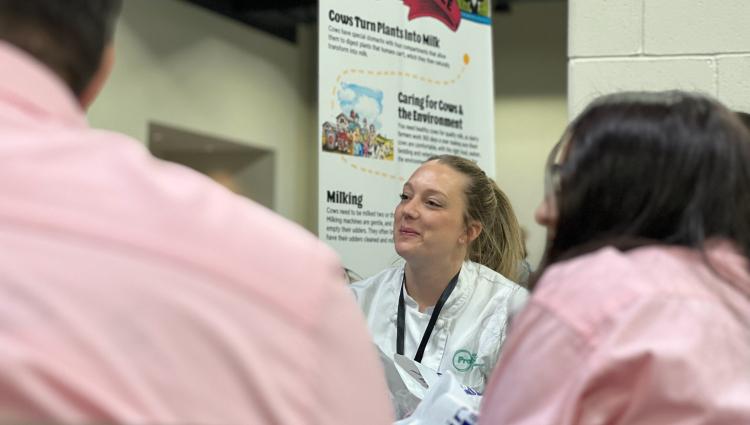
{"x":495,"y":288}
{"x":206,"y":227}
{"x":492,"y":280}
{"x":211,"y":211}
{"x":596,"y":288}
{"x":589,"y":266}
{"x":609,"y":272}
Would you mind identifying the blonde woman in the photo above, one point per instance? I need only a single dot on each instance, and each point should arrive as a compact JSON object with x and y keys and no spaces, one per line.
{"x":447,"y":306}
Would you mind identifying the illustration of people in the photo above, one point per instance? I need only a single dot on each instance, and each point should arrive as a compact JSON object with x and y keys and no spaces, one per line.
{"x":342,"y":126}
{"x":353,"y":118}
{"x":329,"y":136}
{"x":357,"y":142}
{"x":353,"y":134}
{"x":366,"y":146}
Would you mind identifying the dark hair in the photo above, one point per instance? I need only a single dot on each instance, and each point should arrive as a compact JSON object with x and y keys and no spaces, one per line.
{"x":499,"y":245}
{"x":745,"y":118}
{"x":68,"y":36}
{"x":651,"y":168}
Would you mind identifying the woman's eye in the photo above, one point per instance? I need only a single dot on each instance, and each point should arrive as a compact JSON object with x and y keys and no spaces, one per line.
{"x":403,"y":196}
{"x":433,"y":203}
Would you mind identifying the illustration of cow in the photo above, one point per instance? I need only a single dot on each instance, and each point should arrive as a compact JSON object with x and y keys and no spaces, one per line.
{"x":475,"y":6}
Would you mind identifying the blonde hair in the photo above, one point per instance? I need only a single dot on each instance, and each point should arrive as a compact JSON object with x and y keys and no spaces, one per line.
{"x":499,"y":245}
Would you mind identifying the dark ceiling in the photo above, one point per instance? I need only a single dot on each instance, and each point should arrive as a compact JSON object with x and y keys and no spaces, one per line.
{"x":281,"y":17}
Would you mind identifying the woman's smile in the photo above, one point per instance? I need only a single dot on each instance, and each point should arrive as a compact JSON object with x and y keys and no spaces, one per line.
{"x":407,"y":231}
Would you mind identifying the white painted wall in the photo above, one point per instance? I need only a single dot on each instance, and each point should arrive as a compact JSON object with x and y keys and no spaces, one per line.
{"x":659,"y":45}
{"x":530,"y":104}
{"x":185,"y":67}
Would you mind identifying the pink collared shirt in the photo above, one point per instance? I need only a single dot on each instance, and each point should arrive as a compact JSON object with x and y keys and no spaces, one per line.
{"x":648,"y":337}
{"x":137,"y":291}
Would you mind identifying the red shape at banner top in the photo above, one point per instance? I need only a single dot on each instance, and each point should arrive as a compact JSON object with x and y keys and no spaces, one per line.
{"x":445,"y":11}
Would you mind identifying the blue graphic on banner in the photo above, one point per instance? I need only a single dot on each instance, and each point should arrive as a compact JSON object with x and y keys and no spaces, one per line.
{"x":476,"y":18}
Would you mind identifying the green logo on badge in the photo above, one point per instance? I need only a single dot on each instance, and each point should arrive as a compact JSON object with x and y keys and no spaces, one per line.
{"x":464,"y":360}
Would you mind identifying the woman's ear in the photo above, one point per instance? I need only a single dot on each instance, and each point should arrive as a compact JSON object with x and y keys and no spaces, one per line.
{"x":473,"y":229}
{"x":91,"y":91}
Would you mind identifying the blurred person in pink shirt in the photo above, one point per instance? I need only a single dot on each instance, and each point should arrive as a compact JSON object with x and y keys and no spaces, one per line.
{"x":137,"y":291}
{"x":641,"y":311}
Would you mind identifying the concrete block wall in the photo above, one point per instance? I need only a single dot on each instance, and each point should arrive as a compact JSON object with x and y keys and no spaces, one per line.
{"x":616,"y":45}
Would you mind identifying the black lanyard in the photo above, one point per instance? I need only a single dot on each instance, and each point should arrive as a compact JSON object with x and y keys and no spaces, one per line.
{"x":401,"y":320}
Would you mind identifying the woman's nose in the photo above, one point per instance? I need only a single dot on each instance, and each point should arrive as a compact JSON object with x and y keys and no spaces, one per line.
{"x":546,"y":214}
{"x":540,"y":214}
{"x":409,"y":209}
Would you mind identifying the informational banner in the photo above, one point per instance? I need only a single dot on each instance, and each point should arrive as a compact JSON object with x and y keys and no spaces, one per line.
{"x":399,"y":81}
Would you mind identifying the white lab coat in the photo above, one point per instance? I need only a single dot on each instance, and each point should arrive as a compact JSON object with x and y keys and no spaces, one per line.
{"x":469,"y":332}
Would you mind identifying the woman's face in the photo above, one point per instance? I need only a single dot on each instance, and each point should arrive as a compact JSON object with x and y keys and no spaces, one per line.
{"x":546,"y":214}
{"x":429,"y":220}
